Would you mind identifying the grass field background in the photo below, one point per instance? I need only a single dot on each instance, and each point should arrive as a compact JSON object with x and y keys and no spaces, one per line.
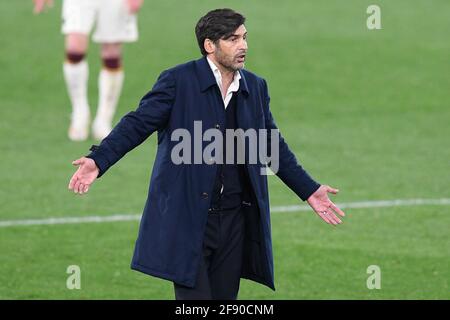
{"x":365,"y":111}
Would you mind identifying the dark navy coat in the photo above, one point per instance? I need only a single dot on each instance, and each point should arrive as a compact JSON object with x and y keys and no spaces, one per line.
{"x":170,"y":239}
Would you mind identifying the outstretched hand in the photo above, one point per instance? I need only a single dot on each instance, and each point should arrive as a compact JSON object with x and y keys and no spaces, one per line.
{"x":85,"y":175}
{"x":324,"y":207}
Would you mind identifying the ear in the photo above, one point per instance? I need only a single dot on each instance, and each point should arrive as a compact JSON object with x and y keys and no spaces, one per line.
{"x":209,"y":46}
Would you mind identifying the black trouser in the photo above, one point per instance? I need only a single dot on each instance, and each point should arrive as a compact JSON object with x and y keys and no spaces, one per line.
{"x":219,"y":273}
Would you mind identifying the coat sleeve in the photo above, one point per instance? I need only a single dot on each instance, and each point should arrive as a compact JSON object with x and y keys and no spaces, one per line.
{"x":290,"y":171}
{"x":152,"y":114}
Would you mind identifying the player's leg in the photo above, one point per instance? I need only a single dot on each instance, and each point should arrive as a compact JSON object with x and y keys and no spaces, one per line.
{"x":76,"y":74}
{"x":115,"y":25}
{"x":78,"y":18}
{"x":110,"y":84}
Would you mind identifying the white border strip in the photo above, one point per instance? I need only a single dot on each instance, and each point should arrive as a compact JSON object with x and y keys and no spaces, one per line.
{"x":294,"y":208}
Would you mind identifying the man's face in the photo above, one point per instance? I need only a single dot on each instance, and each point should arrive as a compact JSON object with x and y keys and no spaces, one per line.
{"x":230,"y":53}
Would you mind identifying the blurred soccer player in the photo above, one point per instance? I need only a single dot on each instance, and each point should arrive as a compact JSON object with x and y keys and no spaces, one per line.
{"x":115,"y":23}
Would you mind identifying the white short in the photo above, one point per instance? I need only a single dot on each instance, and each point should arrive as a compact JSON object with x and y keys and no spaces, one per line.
{"x":113,"y":22}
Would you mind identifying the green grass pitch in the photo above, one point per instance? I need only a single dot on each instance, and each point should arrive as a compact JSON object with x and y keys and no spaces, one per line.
{"x":365,"y":111}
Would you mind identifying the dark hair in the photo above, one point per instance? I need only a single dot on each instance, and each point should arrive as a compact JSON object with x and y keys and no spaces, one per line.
{"x":217,"y":24}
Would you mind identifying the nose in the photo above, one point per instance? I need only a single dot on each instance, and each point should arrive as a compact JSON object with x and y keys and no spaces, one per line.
{"x":243,"y":45}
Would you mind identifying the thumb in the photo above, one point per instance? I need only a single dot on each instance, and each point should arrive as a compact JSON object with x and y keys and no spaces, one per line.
{"x":332,"y":190}
{"x":78,"y":162}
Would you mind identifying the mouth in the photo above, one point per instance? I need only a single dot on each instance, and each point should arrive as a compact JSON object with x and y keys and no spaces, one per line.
{"x":241,"y":58}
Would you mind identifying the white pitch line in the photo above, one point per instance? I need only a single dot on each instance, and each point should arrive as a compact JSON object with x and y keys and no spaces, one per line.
{"x":293,"y":208}
{"x":370,"y":204}
{"x":71,"y":220}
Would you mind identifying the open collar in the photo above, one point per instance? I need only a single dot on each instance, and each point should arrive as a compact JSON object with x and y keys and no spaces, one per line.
{"x":207,"y":79}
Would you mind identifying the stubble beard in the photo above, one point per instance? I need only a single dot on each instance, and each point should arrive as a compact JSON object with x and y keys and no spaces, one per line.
{"x":228,"y":63}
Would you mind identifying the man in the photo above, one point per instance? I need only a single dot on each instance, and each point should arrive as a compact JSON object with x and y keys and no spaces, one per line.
{"x":206,"y":225}
{"x":115,"y":23}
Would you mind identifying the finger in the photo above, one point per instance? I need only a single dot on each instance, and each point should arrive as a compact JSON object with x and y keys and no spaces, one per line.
{"x":75,"y":187}
{"x":324,"y":217}
{"x":333,"y":217}
{"x":330,"y":218}
{"x":80,"y":188}
{"x":86,"y":188}
{"x":336,"y":209}
{"x":72,"y":181}
{"x":332,"y":190}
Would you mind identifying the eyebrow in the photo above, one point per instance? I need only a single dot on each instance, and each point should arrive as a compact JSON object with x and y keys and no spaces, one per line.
{"x":235,"y":35}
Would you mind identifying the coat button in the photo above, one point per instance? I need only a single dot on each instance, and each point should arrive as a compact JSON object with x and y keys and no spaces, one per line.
{"x":205,"y":195}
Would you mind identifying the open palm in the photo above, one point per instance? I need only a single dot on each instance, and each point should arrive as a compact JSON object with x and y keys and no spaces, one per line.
{"x":324,"y":207}
{"x":85,"y":175}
